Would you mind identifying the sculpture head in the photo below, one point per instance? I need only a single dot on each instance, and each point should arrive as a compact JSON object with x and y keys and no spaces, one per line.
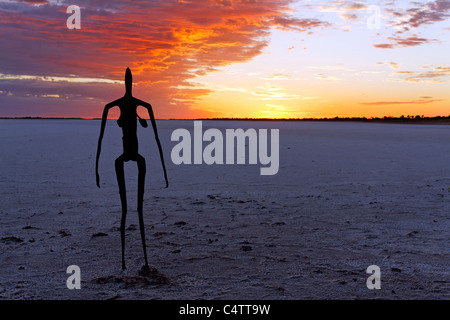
{"x":128,"y":81}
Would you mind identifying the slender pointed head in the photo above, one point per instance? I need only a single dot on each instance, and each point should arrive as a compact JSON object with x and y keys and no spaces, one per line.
{"x":128,"y":80}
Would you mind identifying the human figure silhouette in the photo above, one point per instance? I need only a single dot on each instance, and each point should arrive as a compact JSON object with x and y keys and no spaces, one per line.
{"x":128,"y":122}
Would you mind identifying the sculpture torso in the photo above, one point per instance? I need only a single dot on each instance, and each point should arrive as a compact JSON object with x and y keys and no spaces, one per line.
{"x":128,"y":122}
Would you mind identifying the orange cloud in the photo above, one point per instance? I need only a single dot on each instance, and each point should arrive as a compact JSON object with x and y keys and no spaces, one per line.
{"x":165,"y":44}
{"x":422,"y":100}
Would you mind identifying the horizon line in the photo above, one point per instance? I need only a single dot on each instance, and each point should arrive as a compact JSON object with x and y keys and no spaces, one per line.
{"x":335,"y":118}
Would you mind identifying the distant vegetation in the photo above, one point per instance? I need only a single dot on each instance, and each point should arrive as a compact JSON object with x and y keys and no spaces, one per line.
{"x":385,"y":119}
{"x":401,"y":119}
{"x":51,"y":118}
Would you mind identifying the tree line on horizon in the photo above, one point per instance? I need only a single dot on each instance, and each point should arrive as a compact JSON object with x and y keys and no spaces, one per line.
{"x":403,"y":118}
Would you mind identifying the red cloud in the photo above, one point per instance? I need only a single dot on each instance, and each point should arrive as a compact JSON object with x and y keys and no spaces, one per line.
{"x":384,"y":46}
{"x":34,"y":1}
{"x":166,"y":44}
{"x":404,"y":42}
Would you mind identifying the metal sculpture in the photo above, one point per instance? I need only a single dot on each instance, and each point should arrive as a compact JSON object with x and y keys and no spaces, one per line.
{"x":128,"y":122}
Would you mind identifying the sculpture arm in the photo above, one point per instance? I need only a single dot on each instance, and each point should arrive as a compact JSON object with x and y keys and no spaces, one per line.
{"x":155,"y":130}
{"x":100,"y":138}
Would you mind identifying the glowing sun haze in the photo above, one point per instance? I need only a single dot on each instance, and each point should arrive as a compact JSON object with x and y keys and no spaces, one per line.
{"x":227,"y":58}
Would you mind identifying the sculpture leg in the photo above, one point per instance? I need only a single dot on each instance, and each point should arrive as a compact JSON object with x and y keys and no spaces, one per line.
{"x":141,"y":185}
{"x":123,"y":199}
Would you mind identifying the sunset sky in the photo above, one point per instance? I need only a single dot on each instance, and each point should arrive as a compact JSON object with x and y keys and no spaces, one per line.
{"x":227,"y":58}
